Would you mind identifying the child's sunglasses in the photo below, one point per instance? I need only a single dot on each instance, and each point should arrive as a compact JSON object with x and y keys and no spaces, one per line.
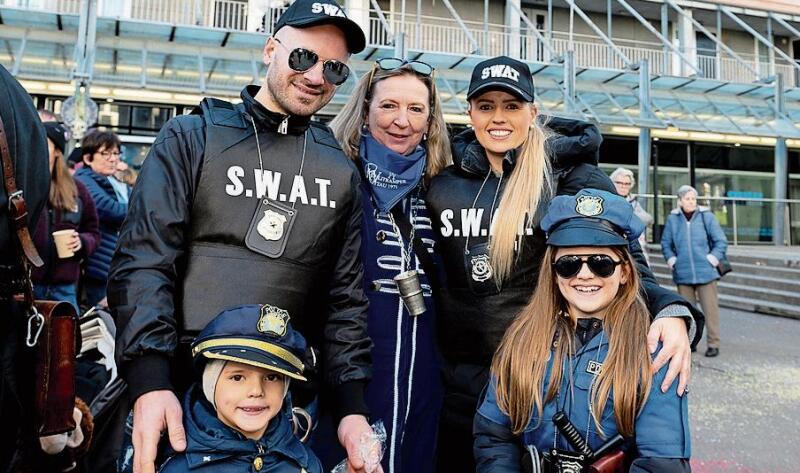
{"x":570,"y":265}
{"x":301,"y":60}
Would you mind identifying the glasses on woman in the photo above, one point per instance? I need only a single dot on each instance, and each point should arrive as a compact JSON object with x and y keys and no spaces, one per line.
{"x":570,"y":265}
{"x":301,"y":60}
{"x":394,"y":63}
{"x":109,"y":154}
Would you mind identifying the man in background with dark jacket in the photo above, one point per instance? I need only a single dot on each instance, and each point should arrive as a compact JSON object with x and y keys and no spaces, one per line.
{"x":245,"y":204}
{"x":28,"y":148}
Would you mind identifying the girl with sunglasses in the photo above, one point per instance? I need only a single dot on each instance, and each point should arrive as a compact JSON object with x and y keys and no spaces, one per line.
{"x":486,"y":210}
{"x":393,"y":129}
{"x":572,"y":374}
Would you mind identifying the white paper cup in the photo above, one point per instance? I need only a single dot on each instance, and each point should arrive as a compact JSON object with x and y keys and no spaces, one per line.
{"x":62,"y":239}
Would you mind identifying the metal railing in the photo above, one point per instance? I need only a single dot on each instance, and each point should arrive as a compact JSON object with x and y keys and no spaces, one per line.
{"x":445,"y":34}
{"x":744,"y":220}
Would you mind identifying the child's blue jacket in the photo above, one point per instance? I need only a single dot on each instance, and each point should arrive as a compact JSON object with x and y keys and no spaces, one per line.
{"x":212,"y":446}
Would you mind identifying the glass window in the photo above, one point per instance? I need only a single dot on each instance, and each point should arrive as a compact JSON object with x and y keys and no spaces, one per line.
{"x":620,"y":151}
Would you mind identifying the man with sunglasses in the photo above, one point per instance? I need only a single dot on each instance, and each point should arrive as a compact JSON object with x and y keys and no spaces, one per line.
{"x":248,"y":203}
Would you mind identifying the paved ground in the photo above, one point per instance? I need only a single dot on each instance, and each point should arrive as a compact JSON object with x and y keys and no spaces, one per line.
{"x":745,"y":404}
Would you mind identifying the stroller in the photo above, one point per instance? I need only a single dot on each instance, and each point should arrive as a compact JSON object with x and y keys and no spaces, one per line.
{"x":99,"y":385}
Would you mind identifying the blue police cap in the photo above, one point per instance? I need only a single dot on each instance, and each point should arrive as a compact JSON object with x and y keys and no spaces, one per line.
{"x":256,"y":335}
{"x":592,"y":217}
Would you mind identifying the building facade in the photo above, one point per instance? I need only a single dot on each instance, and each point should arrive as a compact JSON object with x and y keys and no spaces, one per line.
{"x":700,"y":92}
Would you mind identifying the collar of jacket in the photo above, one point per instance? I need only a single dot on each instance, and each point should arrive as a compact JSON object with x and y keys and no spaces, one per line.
{"x":100,"y":179}
{"x":700,"y":209}
{"x":268,"y":120}
{"x":208,"y":440}
{"x":470,"y":157}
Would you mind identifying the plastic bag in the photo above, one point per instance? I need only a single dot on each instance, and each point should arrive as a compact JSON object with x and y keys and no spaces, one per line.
{"x":370,"y":447}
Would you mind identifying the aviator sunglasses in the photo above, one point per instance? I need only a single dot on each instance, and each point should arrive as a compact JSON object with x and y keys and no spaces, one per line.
{"x":570,"y":265}
{"x":301,"y":60}
{"x":393,"y":63}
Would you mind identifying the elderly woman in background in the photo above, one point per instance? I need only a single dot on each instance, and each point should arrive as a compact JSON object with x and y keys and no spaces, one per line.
{"x":624,"y":181}
{"x":101,"y":155}
{"x":393,"y":129}
{"x":693,"y":244}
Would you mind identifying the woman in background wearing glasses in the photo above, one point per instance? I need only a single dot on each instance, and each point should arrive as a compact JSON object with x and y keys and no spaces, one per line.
{"x":486,"y":209}
{"x":101,"y":155}
{"x":393,"y":128}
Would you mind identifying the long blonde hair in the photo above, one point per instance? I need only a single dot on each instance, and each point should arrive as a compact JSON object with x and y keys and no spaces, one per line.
{"x":63,"y":191}
{"x":349,"y":122}
{"x":528,"y":184}
{"x":521,"y":360}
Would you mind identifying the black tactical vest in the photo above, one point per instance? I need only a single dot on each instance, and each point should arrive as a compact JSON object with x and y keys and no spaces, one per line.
{"x":221,"y":271}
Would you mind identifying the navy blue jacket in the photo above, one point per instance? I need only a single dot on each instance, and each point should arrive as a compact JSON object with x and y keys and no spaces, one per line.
{"x":662,"y":439}
{"x":111,"y":213}
{"x":212,"y":446}
{"x":690,"y":242}
{"x":405,"y":391}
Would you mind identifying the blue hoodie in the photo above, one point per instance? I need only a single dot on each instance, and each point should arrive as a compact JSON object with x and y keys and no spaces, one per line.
{"x":212,"y":446}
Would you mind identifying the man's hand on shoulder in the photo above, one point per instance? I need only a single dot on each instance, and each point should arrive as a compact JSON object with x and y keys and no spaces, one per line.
{"x":154,"y":412}
{"x":351,"y":429}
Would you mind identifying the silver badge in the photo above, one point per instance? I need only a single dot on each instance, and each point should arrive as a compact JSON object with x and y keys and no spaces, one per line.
{"x":589,"y":205}
{"x":481,"y":268}
{"x":594,"y":367}
{"x":271,"y":225}
{"x":273,"y":320}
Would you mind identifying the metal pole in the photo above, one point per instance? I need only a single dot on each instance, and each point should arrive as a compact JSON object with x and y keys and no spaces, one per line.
{"x":609,"y":31}
{"x":735,"y":226}
{"x":550,"y":20}
{"x":656,"y":226}
{"x":718,"y":59}
{"x":667,"y":43}
{"x":771,"y":53}
{"x":645,"y":142}
{"x":781,"y":171}
{"x":781,"y":168}
{"x":569,"y":81}
{"x":400,"y":45}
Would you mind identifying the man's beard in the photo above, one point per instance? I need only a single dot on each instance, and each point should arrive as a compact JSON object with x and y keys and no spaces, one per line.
{"x":304,"y":107}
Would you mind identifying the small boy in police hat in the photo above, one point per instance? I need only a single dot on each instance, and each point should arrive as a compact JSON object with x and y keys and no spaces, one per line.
{"x":238,"y":418}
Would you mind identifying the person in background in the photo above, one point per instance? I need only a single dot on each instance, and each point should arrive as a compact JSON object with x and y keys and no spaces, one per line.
{"x":624,"y":181}
{"x":693,"y":243}
{"x":393,"y":128}
{"x":101,"y":154}
{"x":70,"y":207}
{"x":586,"y":312}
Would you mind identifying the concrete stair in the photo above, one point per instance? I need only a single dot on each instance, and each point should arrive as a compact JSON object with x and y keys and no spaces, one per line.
{"x":764,"y":279}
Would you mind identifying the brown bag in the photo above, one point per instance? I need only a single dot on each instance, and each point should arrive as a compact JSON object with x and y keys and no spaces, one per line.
{"x":52,"y":326}
{"x":56,"y":350}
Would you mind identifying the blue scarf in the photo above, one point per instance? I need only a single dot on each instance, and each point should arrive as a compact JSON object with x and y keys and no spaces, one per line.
{"x":391,"y":175}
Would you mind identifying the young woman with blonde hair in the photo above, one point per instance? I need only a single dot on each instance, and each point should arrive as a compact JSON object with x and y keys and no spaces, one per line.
{"x":486,"y":210}
{"x":393,"y":129}
{"x":577,"y":356}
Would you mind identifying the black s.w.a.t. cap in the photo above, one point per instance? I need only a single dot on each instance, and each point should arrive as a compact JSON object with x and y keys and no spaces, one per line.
{"x":502,"y":73}
{"x":306,"y":13}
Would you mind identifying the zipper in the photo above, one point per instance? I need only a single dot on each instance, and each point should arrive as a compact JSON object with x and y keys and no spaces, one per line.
{"x":689,"y":242}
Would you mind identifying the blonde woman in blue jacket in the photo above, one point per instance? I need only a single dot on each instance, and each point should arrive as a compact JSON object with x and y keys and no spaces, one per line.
{"x":693,"y":243}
